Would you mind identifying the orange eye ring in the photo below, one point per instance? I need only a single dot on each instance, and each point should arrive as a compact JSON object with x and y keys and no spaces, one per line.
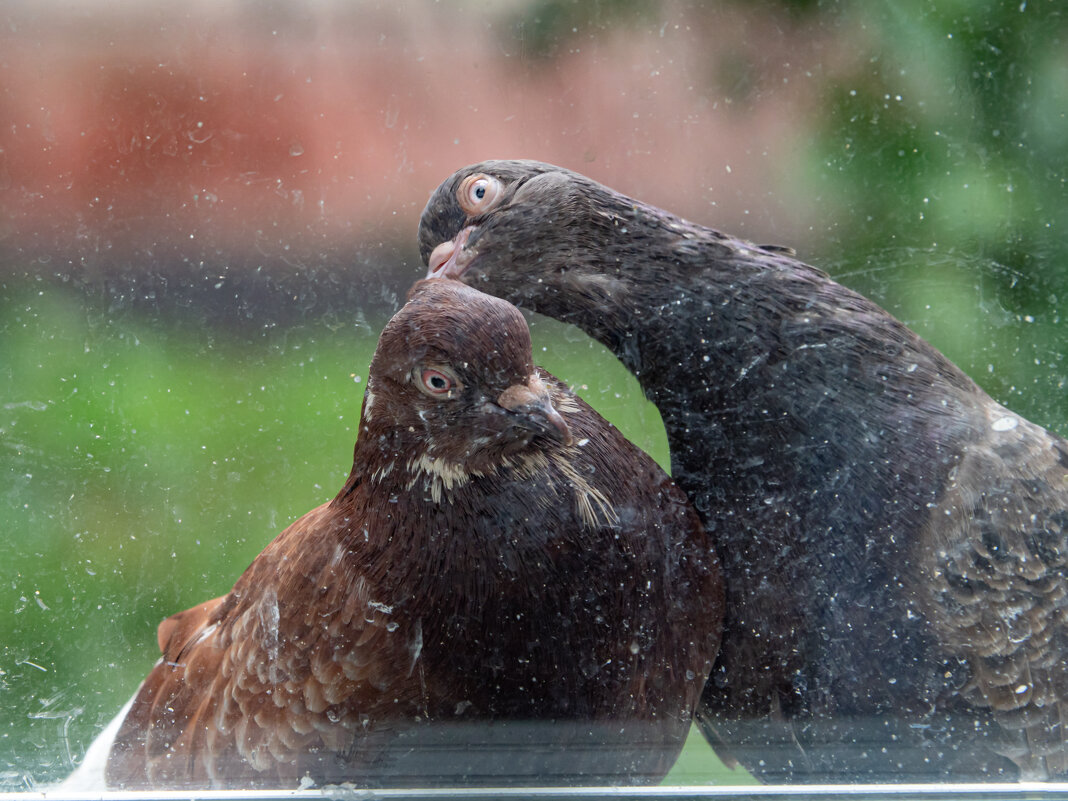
{"x":436,"y":382}
{"x":478,"y":193}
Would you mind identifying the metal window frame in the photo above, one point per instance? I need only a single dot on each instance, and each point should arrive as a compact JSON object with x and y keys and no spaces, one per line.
{"x":1039,"y":791}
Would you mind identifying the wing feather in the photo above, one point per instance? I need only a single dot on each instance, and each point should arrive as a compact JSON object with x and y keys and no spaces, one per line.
{"x":998,"y":545}
{"x":249,"y":683}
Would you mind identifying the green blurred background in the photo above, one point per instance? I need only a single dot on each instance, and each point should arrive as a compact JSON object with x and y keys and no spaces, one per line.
{"x":208,"y":214}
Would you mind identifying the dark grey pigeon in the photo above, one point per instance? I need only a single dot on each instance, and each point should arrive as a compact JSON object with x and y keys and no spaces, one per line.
{"x":893,"y":540}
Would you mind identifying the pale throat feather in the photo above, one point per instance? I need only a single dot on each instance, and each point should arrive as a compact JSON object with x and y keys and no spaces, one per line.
{"x":444,"y":477}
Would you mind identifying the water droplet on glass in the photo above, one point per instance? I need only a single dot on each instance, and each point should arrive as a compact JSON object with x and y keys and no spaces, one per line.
{"x":1005,"y":424}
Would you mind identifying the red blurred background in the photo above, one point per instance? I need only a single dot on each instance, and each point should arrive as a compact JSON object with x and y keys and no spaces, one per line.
{"x":235,"y":136}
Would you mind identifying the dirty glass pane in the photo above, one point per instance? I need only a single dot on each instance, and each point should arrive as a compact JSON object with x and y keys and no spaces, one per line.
{"x":208,"y":212}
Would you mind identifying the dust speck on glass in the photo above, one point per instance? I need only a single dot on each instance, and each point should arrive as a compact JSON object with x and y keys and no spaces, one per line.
{"x":809,"y":257}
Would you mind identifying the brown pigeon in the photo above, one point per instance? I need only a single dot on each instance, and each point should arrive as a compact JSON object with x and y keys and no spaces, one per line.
{"x":893,"y":540}
{"x":505,"y":591}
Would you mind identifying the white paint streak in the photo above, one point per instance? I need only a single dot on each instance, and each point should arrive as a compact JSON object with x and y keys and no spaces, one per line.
{"x":416,"y":646}
{"x":207,"y":632}
{"x":268,"y":618}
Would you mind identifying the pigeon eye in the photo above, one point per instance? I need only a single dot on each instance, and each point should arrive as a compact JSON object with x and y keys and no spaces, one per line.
{"x":478,"y":193}
{"x":435,"y":381}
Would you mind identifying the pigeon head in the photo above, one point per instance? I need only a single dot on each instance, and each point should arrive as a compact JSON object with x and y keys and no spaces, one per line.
{"x":453,"y":380}
{"x":523,"y":230}
{"x":471,"y":198}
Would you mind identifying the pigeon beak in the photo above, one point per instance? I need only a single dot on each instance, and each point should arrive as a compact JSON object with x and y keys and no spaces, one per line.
{"x":531,"y":405}
{"x":449,"y":259}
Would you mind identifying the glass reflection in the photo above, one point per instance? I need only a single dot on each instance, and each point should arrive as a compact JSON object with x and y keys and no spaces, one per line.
{"x":209,"y":216}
